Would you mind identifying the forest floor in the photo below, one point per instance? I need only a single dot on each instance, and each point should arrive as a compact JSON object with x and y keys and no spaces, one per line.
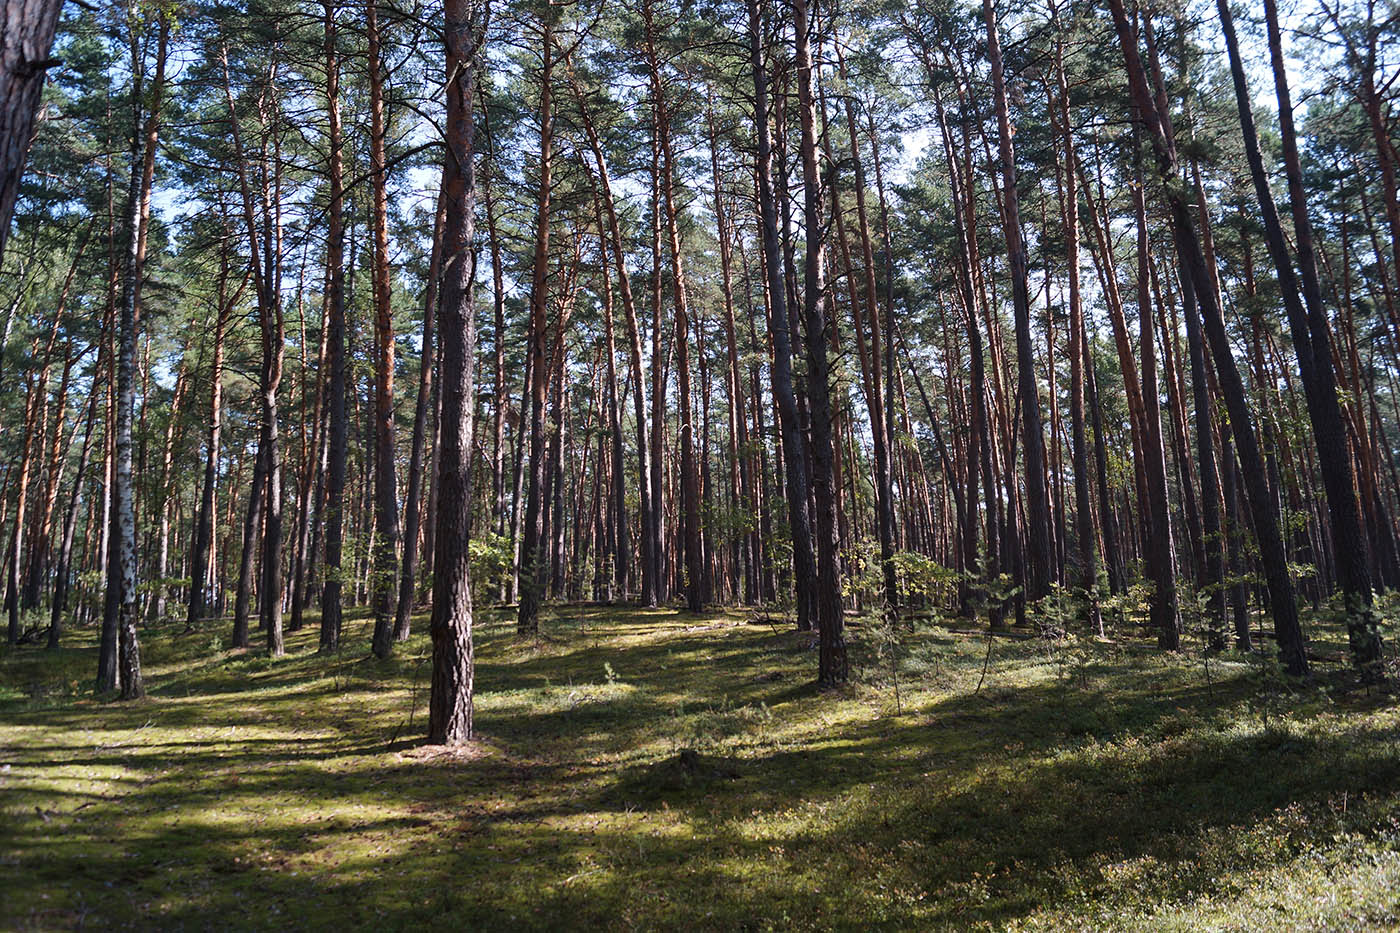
{"x":1083,"y":784}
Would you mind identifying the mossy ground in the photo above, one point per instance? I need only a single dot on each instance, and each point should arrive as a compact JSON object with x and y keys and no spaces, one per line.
{"x":1087,"y":785}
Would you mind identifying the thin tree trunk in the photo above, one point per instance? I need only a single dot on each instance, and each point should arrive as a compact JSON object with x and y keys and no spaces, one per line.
{"x":618,"y":541}
{"x":1311,"y":339}
{"x":63,"y":567}
{"x":331,"y":590}
{"x":124,"y":504}
{"x":385,"y":481}
{"x":646,"y":505}
{"x":1160,"y":541}
{"x":408,"y":580}
{"x":164,"y":493}
{"x":690,"y":479}
{"x":1078,"y":349}
{"x":533,"y":568}
{"x":875,"y":401}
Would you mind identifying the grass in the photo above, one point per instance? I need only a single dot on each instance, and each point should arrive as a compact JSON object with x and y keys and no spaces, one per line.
{"x":1083,"y":785}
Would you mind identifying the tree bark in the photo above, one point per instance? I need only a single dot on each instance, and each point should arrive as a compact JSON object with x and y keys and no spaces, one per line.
{"x":25,"y":43}
{"x":385,"y":481}
{"x":331,"y":617}
{"x":124,"y":500}
{"x":1078,"y":348}
{"x":534,"y":567}
{"x":651,"y":567}
{"x":784,"y":399}
{"x":1032,"y":433}
{"x":450,"y":702}
{"x":1159,"y":539}
{"x":690,"y":479}
{"x":1311,"y":337}
{"x":832,"y":663}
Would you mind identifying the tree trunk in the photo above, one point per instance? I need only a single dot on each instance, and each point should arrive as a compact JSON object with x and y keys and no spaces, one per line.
{"x":264,"y":247}
{"x":978,"y":434}
{"x":408,"y":581}
{"x":832,"y":664}
{"x":1078,"y":349}
{"x":63,"y":566}
{"x":331,"y":617}
{"x":1159,"y":539}
{"x":618,"y":540}
{"x":124,"y":500}
{"x":25,"y":43}
{"x":784,"y":399}
{"x":875,"y":400}
{"x":534,"y":567}
{"x":1311,"y":339}
{"x":32,"y":404}
{"x":1032,"y":434}
{"x":450,"y":703}
{"x":385,"y":481}
{"x":739,"y":472}
{"x":1273,"y":555}
{"x":164,"y":493}
{"x":690,"y":478}
{"x":651,"y":567}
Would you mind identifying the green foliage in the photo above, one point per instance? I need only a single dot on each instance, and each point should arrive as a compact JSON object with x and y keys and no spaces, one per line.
{"x":163,"y":584}
{"x":492,"y":559}
{"x":1058,"y":612}
{"x":923,"y":580}
{"x":1129,"y":605}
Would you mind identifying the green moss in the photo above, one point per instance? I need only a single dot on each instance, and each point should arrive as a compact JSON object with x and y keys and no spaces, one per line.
{"x":1084,"y":785}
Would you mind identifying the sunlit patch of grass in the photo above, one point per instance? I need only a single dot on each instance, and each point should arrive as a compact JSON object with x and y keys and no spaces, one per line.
{"x":1082,"y":784}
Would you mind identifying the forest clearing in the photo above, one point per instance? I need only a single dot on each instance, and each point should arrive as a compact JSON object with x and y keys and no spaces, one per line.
{"x":1080,"y":784}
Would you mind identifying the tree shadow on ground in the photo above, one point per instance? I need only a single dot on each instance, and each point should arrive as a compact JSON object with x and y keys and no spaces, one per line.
{"x":259,"y":794}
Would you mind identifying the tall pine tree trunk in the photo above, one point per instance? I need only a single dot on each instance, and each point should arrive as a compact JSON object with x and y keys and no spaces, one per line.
{"x":690,"y":478}
{"x":331,"y":591}
{"x":1032,"y":433}
{"x":450,"y":701}
{"x":832,"y":663}
{"x":646,"y":505}
{"x":533,"y":563}
{"x":1311,"y":338}
{"x":1078,"y":349}
{"x":386,"y":499}
{"x":784,"y":399}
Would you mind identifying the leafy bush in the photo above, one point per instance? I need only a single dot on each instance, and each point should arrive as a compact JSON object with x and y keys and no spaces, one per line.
{"x":492,"y":560}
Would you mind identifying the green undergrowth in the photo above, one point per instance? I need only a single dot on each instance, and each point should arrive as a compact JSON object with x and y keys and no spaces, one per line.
{"x":645,"y":769}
